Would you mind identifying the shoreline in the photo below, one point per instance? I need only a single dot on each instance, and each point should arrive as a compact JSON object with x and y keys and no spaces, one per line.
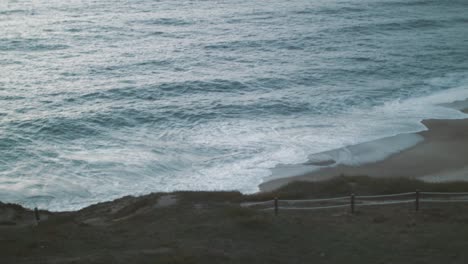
{"x":424,"y":159}
{"x":441,"y":155}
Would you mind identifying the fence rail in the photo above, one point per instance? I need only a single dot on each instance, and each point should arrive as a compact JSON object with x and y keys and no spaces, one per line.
{"x":318,"y":200}
{"x":354,"y":201}
{"x":385,"y":195}
{"x":446,"y":193}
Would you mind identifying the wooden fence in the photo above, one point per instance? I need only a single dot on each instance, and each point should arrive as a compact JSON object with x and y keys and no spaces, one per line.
{"x":353,"y":201}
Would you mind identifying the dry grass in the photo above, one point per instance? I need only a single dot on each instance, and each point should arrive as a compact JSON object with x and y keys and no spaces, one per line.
{"x":211,"y":227}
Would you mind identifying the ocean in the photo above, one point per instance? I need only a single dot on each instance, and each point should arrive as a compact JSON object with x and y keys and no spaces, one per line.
{"x":101,"y":99}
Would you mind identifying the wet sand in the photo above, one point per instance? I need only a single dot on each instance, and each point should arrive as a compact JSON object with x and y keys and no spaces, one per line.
{"x":441,"y":156}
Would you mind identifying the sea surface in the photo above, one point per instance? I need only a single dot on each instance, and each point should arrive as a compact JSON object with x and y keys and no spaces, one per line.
{"x":100,"y":98}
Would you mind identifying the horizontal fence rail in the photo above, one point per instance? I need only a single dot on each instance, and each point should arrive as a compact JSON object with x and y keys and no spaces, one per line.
{"x":316,"y":200}
{"x":257,"y":203}
{"x":353,"y":201}
{"x":442,"y":201}
{"x":386,"y":202}
{"x":385,"y":195}
{"x":307,"y":208}
{"x":446,"y":193}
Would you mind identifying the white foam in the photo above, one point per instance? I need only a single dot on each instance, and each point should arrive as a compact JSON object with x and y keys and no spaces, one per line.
{"x":373,"y":151}
{"x":224,"y":154}
{"x":392,"y":125}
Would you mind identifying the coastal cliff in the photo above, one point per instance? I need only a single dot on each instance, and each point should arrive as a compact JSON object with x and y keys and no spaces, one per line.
{"x":212,"y":227}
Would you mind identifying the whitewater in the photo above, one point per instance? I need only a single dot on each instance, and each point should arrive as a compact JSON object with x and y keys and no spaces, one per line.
{"x":101,"y":99}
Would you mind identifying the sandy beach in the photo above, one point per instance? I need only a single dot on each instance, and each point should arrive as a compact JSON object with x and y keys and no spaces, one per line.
{"x":442,"y":155}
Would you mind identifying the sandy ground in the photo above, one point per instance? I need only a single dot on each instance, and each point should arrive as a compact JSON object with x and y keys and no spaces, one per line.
{"x":441,"y":156}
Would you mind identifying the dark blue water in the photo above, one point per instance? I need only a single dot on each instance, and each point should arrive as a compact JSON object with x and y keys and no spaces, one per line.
{"x":100,"y":99}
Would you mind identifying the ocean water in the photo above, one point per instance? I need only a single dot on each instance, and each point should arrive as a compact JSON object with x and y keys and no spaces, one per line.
{"x":100,"y":98}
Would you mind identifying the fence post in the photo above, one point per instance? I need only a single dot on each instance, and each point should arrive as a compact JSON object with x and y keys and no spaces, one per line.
{"x":276,"y":205}
{"x":352,"y":203}
{"x":417,"y":200}
{"x":36,"y":214}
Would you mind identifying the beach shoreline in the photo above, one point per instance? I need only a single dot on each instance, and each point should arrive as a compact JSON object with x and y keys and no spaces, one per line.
{"x":441,"y":155}
{"x":173,"y":227}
